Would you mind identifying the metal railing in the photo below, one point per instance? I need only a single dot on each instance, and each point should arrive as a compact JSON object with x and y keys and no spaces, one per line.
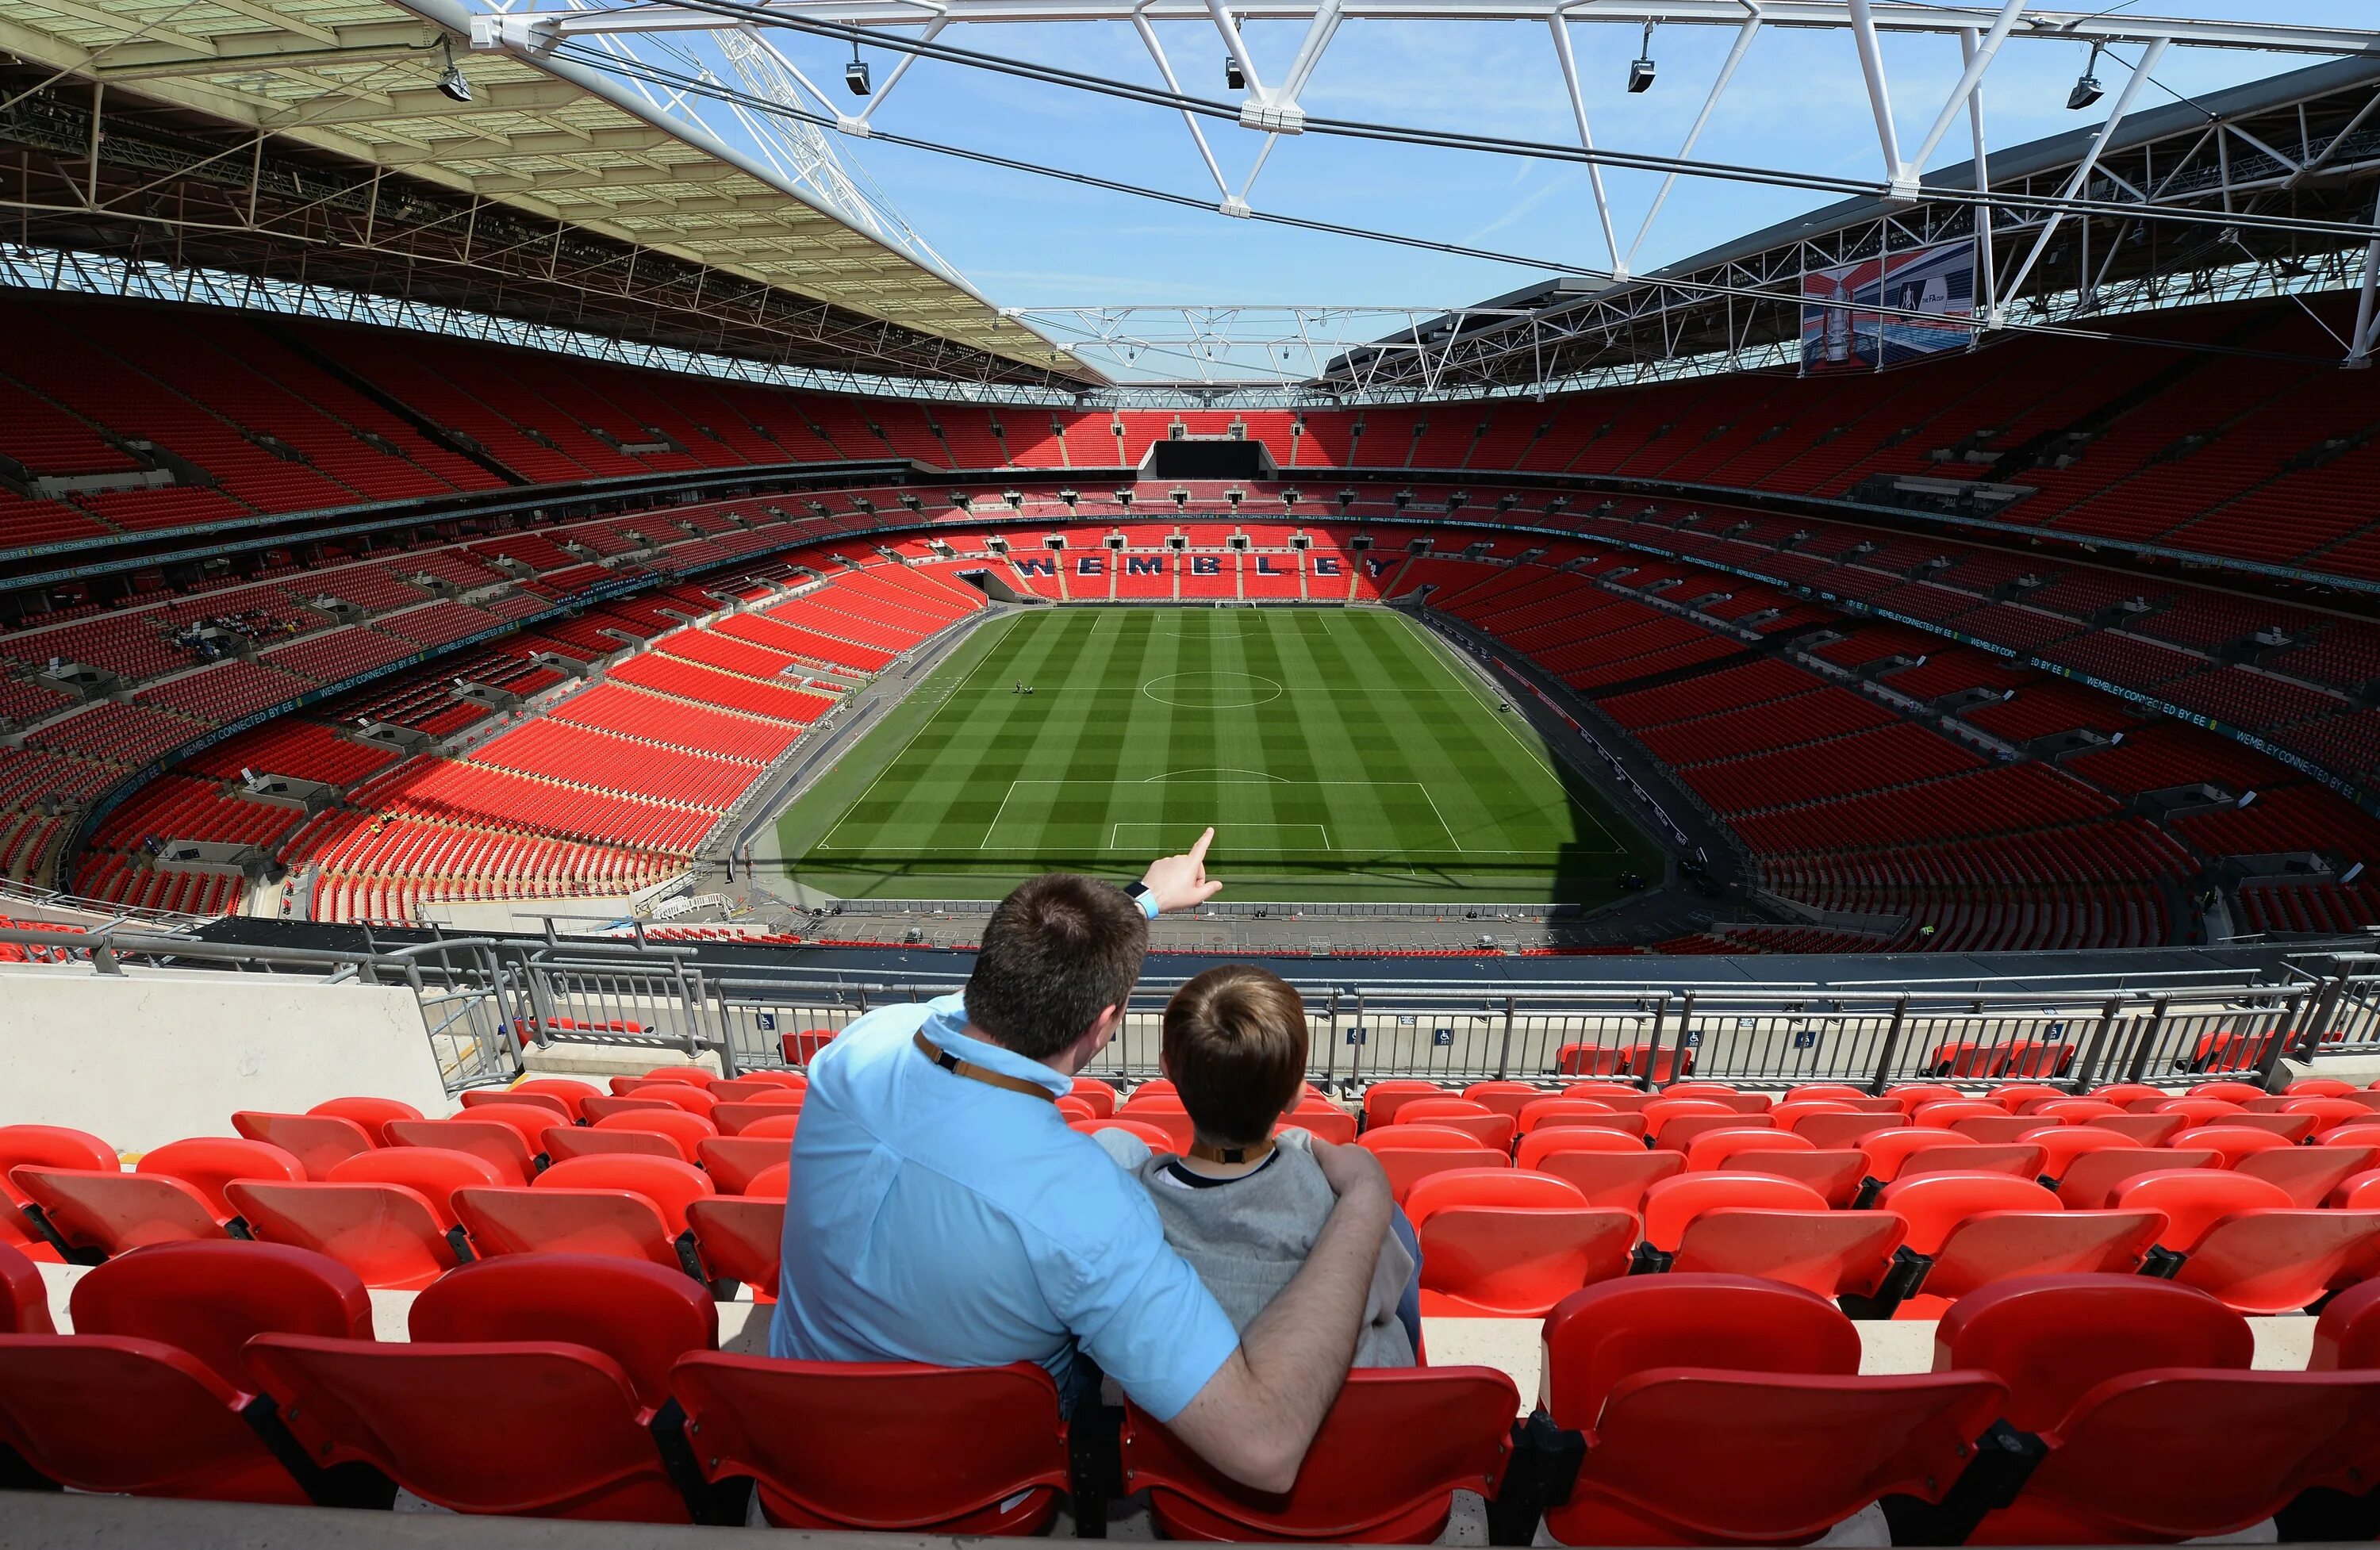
{"x":488,"y":1002}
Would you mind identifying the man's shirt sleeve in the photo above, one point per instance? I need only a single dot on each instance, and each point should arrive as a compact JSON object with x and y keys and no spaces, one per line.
{"x":1142,"y":1314}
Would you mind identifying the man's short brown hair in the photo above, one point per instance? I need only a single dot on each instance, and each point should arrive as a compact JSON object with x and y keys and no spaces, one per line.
{"x":1057,"y":951}
{"x":1235,"y":1047}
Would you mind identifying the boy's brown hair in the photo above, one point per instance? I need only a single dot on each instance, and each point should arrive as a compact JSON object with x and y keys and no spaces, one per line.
{"x":1235,"y":1047}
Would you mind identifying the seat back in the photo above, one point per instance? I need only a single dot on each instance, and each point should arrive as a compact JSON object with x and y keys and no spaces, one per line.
{"x":2231,"y":1448}
{"x":519,"y":1219}
{"x":741,"y":1237}
{"x":640,"y":1316}
{"x":50,"y":1146}
{"x":1943,"y":1113}
{"x":501,"y":1146}
{"x":392,"y":1237}
{"x":1836,"y":1173}
{"x":2280,"y":1259}
{"x":686,"y":1131}
{"x":1483,"y":1125}
{"x":759,"y":1119}
{"x":111,"y":1211}
{"x":1672,"y":1204}
{"x":1833,"y":1254}
{"x":884,"y":1447}
{"x":1486,"y":1188}
{"x":2053,"y":1339}
{"x":2230,"y":1143}
{"x":1395,"y":1446}
{"x":317,"y":1141}
{"x":2019,"y":1159}
{"x":1504,"y":1098}
{"x":2229,"y":1091}
{"x":1099,"y":1094}
{"x":734,"y":1161}
{"x":433,"y":1172}
{"x":1934,"y":1203}
{"x":562,"y":1143}
{"x":1599,"y":1336}
{"x":1715,"y":1149}
{"x":668,"y":1184}
{"x":24,"y":1296}
{"x":1156,"y":1138}
{"x":534,"y":1429}
{"x":1830,"y":1132}
{"x":1566,"y":1113}
{"x":2196,"y":1199}
{"x":560,"y":1089}
{"x":1890,"y":1151}
{"x":1802,"y":1453}
{"x":207,"y":1163}
{"x":2309,"y":1173}
{"x":1381,"y":1099}
{"x":2347,"y":1336}
{"x":2093,"y":1178}
{"x":2061,"y":1144}
{"x":528,"y":1121}
{"x":1610,"y":1178}
{"x":126,"y":1416}
{"x":372,"y":1113}
{"x":208,"y":1299}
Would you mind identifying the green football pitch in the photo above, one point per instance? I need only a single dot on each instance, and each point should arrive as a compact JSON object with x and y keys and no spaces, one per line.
{"x":1339,"y":754}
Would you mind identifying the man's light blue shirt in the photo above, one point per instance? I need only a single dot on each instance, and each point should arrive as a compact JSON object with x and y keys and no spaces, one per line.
{"x":935,"y":1218}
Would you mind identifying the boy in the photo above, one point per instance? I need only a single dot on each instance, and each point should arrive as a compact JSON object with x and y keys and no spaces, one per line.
{"x":1243,"y":1206}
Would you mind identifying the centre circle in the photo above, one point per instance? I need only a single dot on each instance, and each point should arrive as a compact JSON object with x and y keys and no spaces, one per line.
{"x":1212,"y":691}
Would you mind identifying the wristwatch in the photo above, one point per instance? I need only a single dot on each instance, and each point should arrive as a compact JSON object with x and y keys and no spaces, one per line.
{"x":1139,"y":894}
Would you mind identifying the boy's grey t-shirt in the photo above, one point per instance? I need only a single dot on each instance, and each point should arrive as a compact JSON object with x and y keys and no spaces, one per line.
{"x":1246,"y":1237}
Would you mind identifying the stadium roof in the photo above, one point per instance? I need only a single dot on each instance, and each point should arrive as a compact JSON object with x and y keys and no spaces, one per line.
{"x":585,"y":205}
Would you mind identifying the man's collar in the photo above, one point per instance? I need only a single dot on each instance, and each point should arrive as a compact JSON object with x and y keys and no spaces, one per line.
{"x":948,"y":1030}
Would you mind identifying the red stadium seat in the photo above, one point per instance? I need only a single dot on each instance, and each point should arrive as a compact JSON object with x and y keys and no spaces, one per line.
{"x":1591,"y":1113}
{"x":1155,"y":1137}
{"x":134,"y":1417}
{"x":1164,"y":1113}
{"x":882,"y":1448}
{"x":640,"y":1316}
{"x":2194,"y":1199}
{"x":207,"y":1163}
{"x":1381,"y":1099}
{"x":685,"y":1097}
{"x":771,"y":1183}
{"x":2074,"y":1111}
{"x":687,"y":1131}
{"x":561,"y":1089}
{"x":1075,"y":1108}
{"x":1610,"y":1169}
{"x":2250,"y":1246}
{"x":2347,"y":1336}
{"x":1477,"y":1120}
{"x":2061,"y":1144}
{"x":2329,"y":1112}
{"x":434,"y":1172}
{"x":2149,"y":1130}
{"x":1505,"y":1242}
{"x":2309,"y":1173}
{"x":562,"y":1143}
{"x":208,"y":1299}
{"x":1680,"y":1132}
{"x":24,"y":1296}
{"x":2053,"y":1339}
{"x":1994,"y":1130}
{"x":2093,"y":1178}
{"x":481,"y":1097}
{"x":748,"y":1089}
{"x":1835,"y":1174}
{"x":42,"y":1146}
{"x":629,"y":1206}
{"x":373,"y":1114}
{"x":1505,"y":1097}
{"x":390,"y":1236}
{"x":2288,"y":1129}
{"x":539,"y":1429}
{"x":2320,"y":1088}
{"x":1383,"y":1469}
{"x":2021,"y":1159}
{"x":1745,"y":1223}
{"x":734,"y":1161}
{"x":1943,"y":1113}
{"x":2230,"y":1092}
{"x":502,"y":1145}
{"x":1888,"y":1151}
{"x":760,"y":1119}
{"x":1409,"y":1153}
{"x":1771,"y":1395}
{"x":318,"y":1141}
{"x":1334,"y":1125}
{"x":1658,"y":1113}
{"x":99,"y":1214}
{"x":740,"y":1238}
{"x":694,"y":1076}
{"x":1713,"y":1149}
{"x":601,"y":1107}
{"x":1968,"y":1231}
{"x":1099,"y":1094}
{"x":1832,"y":1132}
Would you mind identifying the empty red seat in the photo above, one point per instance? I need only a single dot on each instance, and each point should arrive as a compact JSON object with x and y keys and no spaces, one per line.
{"x":1505,"y":1097}
{"x":373,"y":1114}
{"x":570,"y":1095}
{"x":2053,"y":1339}
{"x":1967,"y":1230}
{"x":882,"y":1447}
{"x":1610,"y":1169}
{"x":1831,"y":1131}
{"x":1592,"y":1113}
{"x":207,"y":1163}
{"x":1099,"y":1094}
{"x":2149,"y":1130}
{"x":1680,"y":1132}
{"x":503,"y":1146}
{"x":641,"y":1316}
{"x":1995,"y":1129}
{"x":24,"y":1296}
{"x":1715,"y":1149}
{"x":2244,"y":1241}
{"x":1383,"y":1469}
{"x":1381,"y":1099}
{"x":686,"y":1131}
{"x":540,"y":1429}
{"x":1942,"y":1113}
{"x":562,"y":1143}
{"x":1836,"y":1174}
{"x":317,"y":1141}
{"x":42,"y":1146}
{"x":693,"y":1076}
{"x":1727,"y":1408}
{"x":733,"y":1161}
{"x":2310,"y":1174}
{"x":629,"y":1206}
{"x":99,"y":1213}
{"x":1477,"y":1120}
{"x":2229,"y":1091}
{"x":434,"y":1172}
{"x":2061,"y":1144}
{"x":2093,"y":1178}
{"x":1504,"y":1242}
{"x":1152,"y":1136}
{"x":209,"y":1299}
{"x":1661,"y":1111}
{"x":2348,"y":1333}
{"x":756,"y":1118}
{"x":390,"y":1236}
{"x":2230,"y":1143}
{"x":1164,"y":1113}
{"x":128,"y":1416}
{"x":1743,"y":1224}
{"x":2021,"y":1159}
{"x":741,"y":1237}
{"x":1410,"y":1153}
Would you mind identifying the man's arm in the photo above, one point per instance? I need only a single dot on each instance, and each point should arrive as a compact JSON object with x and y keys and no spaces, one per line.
{"x":1180,"y":882}
{"x":1257,"y":1416}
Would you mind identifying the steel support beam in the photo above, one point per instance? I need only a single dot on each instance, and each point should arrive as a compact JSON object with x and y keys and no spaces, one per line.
{"x":2083,"y":172}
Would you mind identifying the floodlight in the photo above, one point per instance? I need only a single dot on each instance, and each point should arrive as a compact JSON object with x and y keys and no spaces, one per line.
{"x":1641,"y":68}
{"x":855,"y":75}
{"x":2087,"y":88}
{"x":1233,"y":77}
{"x":451,"y":83}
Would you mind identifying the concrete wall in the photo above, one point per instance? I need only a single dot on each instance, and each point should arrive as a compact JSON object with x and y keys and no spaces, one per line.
{"x":146,"y":1058}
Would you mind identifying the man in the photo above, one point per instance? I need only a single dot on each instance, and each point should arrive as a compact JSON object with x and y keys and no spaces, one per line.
{"x":941,"y":1211}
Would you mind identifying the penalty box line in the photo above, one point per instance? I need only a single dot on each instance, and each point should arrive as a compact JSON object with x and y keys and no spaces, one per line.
{"x":1452,"y":843}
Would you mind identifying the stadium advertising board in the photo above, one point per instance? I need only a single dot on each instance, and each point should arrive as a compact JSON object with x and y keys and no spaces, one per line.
{"x":1930,"y":292}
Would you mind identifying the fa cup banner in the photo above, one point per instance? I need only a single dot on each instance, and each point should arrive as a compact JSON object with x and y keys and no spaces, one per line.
{"x":1886,"y":312}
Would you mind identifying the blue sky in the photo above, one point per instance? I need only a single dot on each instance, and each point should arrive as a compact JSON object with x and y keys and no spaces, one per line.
{"x":1797,"y":103}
